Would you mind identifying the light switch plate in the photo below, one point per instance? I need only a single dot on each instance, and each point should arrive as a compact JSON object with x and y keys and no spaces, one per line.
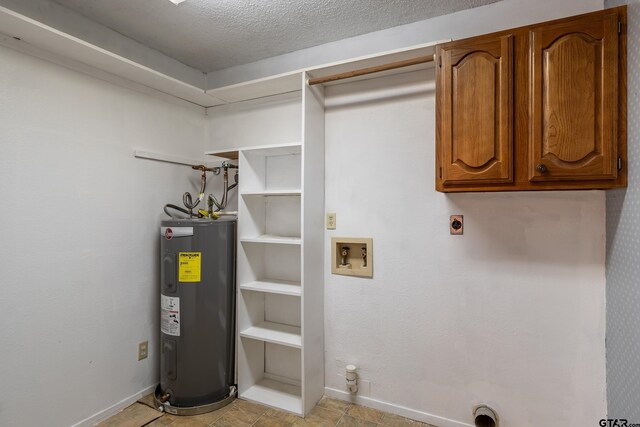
{"x":331,"y":221}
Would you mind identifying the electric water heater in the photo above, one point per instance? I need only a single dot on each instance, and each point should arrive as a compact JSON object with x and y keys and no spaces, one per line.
{"x":197,"y":310}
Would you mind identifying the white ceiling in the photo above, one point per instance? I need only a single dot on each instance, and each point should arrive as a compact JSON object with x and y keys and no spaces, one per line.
{"x":210,"y":35}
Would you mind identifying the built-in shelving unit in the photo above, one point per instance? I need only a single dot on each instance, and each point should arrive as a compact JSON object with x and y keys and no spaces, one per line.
{"x":274,"y":128}
{"x":280,"y":235}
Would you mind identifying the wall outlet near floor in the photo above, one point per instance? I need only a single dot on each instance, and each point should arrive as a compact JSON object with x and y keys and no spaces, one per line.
{"x":331,"y":221}
{"x":143,"y":350}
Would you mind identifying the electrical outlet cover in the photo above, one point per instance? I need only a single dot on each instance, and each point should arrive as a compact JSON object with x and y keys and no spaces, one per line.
{"x":143,"y":350}
{"x":456,"y":224}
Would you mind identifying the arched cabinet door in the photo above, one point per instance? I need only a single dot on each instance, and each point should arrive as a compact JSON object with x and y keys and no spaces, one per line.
{"x":573,"y":92}
{"x":475,"y":91}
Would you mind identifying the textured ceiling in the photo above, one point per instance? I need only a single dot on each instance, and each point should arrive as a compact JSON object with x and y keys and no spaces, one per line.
{"x":214,"y":34}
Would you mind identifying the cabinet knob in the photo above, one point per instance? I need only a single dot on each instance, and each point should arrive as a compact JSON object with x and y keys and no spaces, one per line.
{"x":540,"y":167}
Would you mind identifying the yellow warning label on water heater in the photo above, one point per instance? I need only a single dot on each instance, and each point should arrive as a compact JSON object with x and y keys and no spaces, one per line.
{"x":189,"y":266}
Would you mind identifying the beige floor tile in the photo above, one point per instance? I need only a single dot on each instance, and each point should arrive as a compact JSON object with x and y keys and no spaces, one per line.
{"x":135,"y":415}
{"x":392,"y":420}
{"x":320,"y":417}
{"x":334,"y":404}
{"x":241,"y":413}
{"x":364,"y":413}
{"x":181,"y":421}
{"x":270,"y":421}
{"x":162,"y":421}
{"x":229,"y":422}
{"x":148,"y":400}
{"x":282,"y":415}
{"x":250,"y":407}
{"x":237,"y":416}
{"x":327,"y":414}
{"x":211,"y":417}
{"x":349,"y":421}
{"x":311,"y":421}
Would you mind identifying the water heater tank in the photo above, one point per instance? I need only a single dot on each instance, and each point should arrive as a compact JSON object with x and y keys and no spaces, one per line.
{"x":197,"y":305}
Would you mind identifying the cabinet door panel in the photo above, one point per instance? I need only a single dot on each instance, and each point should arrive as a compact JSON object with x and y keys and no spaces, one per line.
{"x":476,"y":129}
{"x":573,"y":95}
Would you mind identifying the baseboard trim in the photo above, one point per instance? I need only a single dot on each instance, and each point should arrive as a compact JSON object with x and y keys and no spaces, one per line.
{"x":111,"y":410}
{"x":395,"y":409}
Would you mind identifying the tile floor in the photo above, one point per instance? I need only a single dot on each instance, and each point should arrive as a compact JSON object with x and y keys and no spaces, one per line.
{"x":240,"y":413}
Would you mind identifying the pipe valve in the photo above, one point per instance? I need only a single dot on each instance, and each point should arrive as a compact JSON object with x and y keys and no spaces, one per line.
{"x":352,"y":379}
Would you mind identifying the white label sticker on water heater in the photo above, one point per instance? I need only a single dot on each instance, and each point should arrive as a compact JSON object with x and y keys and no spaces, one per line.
{"x":170,"y":315}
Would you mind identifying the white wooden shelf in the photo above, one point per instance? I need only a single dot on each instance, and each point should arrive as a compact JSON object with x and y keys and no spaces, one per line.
{"x":281,"y":287}
{"x":271,"y":239}
{"x":272,"y":193}
{"x":277,"y":394}
{"x":275,"y":333}
{"x":258,"y":150}
{"x":274,"y":149}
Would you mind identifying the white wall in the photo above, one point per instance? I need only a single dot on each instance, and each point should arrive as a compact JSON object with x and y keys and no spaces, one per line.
{"x":623,"y":252}
{"x":79,"y":252}
{"x":511,"y":313}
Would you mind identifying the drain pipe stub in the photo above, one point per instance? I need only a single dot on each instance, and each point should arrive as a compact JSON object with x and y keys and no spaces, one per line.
{"x":484,"y":416}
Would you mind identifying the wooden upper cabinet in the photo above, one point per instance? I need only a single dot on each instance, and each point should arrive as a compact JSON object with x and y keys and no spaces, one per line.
{"x":541,"y":107}
{"x":574,"y":98}
{"x":475,"y":83}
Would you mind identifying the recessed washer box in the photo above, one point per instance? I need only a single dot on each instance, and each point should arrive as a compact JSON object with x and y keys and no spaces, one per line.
{"x":352,"y":256}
